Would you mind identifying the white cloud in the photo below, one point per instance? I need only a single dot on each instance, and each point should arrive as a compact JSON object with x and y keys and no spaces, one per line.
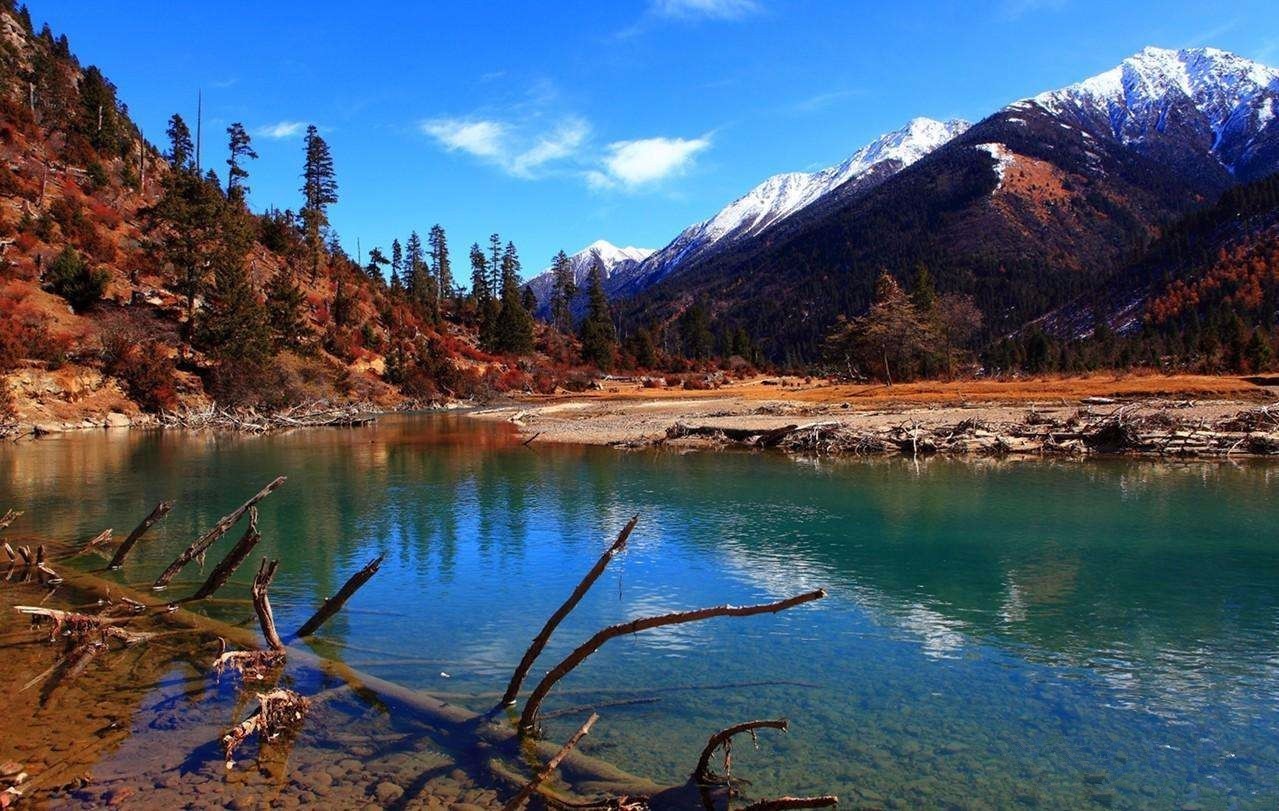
{"x":645,"y":161}
{"x":484,"y":139}
{"x":515,"y":150}
{"x":562,"y":142}
{"x":712,"y":9}
{"x":280,"y":129}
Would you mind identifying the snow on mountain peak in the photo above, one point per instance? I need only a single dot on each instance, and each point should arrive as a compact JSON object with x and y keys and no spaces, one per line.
{"x":1222,"y":86}
{"x":784,"y":194}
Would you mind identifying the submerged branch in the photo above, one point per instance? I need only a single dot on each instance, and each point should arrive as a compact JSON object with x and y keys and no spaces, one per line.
{"x":199,"y":546}
{"x":543,"y":636}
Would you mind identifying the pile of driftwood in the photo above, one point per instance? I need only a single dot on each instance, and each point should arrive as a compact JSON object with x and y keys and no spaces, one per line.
{"x":515,"y":739}
{"x":1125,"y":429}
{"x":250,"y":420}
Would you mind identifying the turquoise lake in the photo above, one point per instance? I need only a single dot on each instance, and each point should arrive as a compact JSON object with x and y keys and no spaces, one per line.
{"x":997,"y":633}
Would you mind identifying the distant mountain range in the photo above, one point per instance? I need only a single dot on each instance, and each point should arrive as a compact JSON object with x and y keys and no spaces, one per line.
{"x":1027,"y":211}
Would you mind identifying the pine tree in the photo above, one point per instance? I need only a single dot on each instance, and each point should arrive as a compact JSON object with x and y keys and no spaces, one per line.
{"x":319,"y":191}
{"x":440,"y":261}
{"x":421,"y":284}
{"x":240,"y":147}
{"x":513,"y":331}
{"x":99,"y":116}
{"x":695,"y":330}
{"x":486,"y":303}
{"x":563,"y":289}
{"x":181,"y":148}
{"x":377,"y":260}
{"x":284,"y":302}
{"x":397,"y":266}
{"x":495,"y":264}
{"x":598,"y":336}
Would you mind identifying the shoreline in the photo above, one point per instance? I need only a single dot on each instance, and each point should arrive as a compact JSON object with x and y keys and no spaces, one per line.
{"x":1187,"y":417}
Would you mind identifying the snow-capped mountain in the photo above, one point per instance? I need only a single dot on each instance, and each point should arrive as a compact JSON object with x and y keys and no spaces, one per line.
{"x":1186,"y":99}
{"x":1031,"y":208}
{"x":612,"y":259}
{"x":783,"y":195}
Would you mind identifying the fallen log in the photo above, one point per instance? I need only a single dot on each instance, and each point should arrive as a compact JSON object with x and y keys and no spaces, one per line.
{"x":332,"y":605}
{"x":199,"y":546}
{"x":160,"y":511}
{"x":279,"y":712}
{"x":551,"y":765}
{"x":702,"y":775}
{"x":227,"y":566}
{"x":543,"y":636}
{"x":783,"y":803}
{"x":262,"y":603}
{"x":528,"y":719}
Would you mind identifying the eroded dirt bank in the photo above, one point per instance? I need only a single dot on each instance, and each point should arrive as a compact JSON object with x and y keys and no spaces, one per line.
{"x":1179,"y":415}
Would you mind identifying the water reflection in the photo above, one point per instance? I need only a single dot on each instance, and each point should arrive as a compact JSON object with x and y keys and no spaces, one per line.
{"x":1120,"y":618}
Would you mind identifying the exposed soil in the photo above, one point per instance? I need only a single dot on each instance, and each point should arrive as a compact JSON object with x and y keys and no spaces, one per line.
{"x":626,"y":413}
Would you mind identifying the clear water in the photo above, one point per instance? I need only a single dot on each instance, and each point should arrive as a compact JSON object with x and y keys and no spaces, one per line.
{"x":997,"y":633}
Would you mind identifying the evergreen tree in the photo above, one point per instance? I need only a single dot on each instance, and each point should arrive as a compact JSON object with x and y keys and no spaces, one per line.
{"x":319,"y":191}
{"x":529,"y":299}
{"x":440,"y":260}
{"x":563,"y":289}
{"x":181,"y":149}
{"x":240,"y":147}
{"x":486,"y":303}
{"x":513,"y":331}
{"x":397,"y":266}
{"x":233,"y":328}
{"x":377,"y":260}
{"x":99,"y":117}
{"x":495,"y":264}
{"x":284,"y":302}
{"x":641,"y":347}
{"x":71,"y":277}
{"x":695,"y":330}
{"x":598,"y":336}
{"x":421,"y":284}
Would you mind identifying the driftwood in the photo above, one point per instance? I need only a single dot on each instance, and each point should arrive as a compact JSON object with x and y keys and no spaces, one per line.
{"x":227,"y":566}
{"x":199,"y":546}
{"x":723,"y":739}
{"x":97,"y":540}
{"x":543,"y":636}
{"x":250,"y":420}
{"x":279,"y":712}
{"x":262,"y":603}
{"x":160,"y":511}
{"x":762,"y":437}
{"x":783,"y":803}
{"x":332,"y":605}
{"x":8,"y":518}
{"x":528,"y":719}
{"x":551,"y":765}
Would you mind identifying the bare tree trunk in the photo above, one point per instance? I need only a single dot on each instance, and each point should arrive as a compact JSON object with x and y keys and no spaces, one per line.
{"x":702,"y":774}
{"x":334,"y":604}
{"x":528,"y":719}
{"x":551,"y":765}
{"x":160,"y":511}
{"x":201,"y":544}
{"x":227,"y":566}
{"x":262,"y":604}
{"x":783,"y":803}
{"x":543,"y":636}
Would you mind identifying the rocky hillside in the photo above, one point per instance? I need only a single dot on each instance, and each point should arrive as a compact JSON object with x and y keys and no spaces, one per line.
{"x":131,"y":283}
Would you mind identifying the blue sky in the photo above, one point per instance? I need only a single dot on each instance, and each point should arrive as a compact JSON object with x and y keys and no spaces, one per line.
{"x":558,"y":123}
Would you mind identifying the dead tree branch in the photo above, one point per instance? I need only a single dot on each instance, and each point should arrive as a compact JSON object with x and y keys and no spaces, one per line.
{"x":703,"y":775}
{"x":97,"y":540}
{"x":227,"y":566}
{"x":201,"y":544}
{"x":332,"y":605}
{"x":783,"y":803}
{"x":528,"y":719}
{"x":8,"y":518}
{"x":160,"y":511}
{"x":262,"y":604}
{"x":551,"y":765}
{"x":543,"y":636}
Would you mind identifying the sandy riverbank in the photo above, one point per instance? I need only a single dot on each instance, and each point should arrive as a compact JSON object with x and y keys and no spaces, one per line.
{"x":625,"y":413}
